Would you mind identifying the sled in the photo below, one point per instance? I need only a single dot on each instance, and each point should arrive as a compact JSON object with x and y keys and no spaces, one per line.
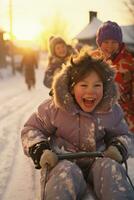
{"x":69,"y":156}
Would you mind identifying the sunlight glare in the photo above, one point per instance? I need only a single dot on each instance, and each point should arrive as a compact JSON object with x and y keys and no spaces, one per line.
{"x":27,"y":16}
{"x":28,"y":32}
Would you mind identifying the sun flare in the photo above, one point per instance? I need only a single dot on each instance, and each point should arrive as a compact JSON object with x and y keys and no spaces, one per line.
{"x":28,"y":32}
{"x":31,"y":17}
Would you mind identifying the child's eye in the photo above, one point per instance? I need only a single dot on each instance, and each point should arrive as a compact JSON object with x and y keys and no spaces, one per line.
{"x":106,"y":42}
{"x":83,"y":85}
{"x":98,"y":85}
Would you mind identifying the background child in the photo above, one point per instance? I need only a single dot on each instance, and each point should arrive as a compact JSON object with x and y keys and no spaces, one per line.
{"x":28,"y":64}
{"x":59,"y":53}
{"x":81,"y":116}
{"x":111,"y":48}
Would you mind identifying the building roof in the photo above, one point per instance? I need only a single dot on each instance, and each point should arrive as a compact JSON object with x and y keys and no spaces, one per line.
{"x":90,"y":30}
{"x":128,"y":34}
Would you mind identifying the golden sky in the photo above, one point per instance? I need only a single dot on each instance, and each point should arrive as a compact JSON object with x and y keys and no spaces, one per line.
{"x":31,"y":16}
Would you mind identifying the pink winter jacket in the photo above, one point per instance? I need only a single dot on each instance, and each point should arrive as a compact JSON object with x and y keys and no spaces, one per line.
{"x":76,"y":131}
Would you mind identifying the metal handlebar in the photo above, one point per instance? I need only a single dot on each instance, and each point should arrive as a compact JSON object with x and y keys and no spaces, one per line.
{"x":70,"y":156}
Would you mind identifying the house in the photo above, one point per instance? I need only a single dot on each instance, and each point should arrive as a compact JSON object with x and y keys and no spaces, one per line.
{"x":128,"y":36}
{"x":88,"y":34}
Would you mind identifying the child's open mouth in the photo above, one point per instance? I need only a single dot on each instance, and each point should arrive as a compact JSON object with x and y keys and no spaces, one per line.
{"x":89,"y":102}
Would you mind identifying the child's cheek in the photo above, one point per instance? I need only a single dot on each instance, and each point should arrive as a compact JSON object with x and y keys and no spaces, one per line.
{"x":78,"y":97}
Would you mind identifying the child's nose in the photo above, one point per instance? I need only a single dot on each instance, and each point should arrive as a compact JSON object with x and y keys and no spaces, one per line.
{"x":110,"y":45}
{"x":90,"y":90}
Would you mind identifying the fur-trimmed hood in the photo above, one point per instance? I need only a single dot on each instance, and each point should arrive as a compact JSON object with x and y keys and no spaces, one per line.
{"x":64,"y":99}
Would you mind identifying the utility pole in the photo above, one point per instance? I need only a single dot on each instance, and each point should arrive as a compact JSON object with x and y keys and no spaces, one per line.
{"x":11,"y":35}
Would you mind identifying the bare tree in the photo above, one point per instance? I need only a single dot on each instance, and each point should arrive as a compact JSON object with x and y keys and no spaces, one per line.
{"x":130,"y":5}
{"x":57,"y":26}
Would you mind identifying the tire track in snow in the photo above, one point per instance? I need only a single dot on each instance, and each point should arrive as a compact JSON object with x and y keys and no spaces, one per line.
{"x":16,"y":103}
{"x":17,"y":174}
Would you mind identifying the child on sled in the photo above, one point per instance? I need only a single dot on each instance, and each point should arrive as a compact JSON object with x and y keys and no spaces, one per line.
{"x":82,"y":115}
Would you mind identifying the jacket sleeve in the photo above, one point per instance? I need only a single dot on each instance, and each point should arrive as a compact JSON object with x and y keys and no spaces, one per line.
{"x":37,"y":128}
{"x":52,"y":68}
{"x":48,"y":76}
{"x":119,"y":131}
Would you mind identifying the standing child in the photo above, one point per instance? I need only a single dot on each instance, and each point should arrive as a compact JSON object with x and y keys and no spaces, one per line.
{"x":83,"y":116}
{"x":59,"y":53}
{"x":28,"y":65}
{"x":112,"y":48}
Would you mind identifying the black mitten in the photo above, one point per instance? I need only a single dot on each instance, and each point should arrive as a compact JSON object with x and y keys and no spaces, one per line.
{"x":36,"y":151}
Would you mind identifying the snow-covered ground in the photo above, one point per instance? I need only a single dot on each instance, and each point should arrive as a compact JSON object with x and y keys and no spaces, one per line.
{"x":18,"y":178}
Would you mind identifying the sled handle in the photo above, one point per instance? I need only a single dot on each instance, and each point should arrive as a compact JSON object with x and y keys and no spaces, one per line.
{"x":79,"y":155}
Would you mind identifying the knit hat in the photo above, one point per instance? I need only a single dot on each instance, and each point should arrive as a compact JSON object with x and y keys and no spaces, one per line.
{"x":109,"y":30}
{"x":53,"y":41}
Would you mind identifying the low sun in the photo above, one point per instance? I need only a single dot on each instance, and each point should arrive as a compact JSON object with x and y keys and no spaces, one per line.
{"x":26,"y":32}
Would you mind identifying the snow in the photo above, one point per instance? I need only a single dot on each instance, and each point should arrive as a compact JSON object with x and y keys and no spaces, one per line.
{"x":18,"y":177}
{"x":90,"y":30}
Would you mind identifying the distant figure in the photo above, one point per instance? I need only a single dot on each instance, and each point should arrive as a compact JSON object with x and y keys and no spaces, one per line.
{"x":3,"y":51}
{"x":59,"y":53}
{"x":28,"y":64}
{"x":112,"y":49}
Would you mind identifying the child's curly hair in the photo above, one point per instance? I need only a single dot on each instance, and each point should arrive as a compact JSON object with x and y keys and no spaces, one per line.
{"x":78,"y":68}
{"x":82,"y":65}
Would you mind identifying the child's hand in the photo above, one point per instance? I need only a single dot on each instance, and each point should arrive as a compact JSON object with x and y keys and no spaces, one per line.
{"x":113,"y":153}
{"x":48,"y":158}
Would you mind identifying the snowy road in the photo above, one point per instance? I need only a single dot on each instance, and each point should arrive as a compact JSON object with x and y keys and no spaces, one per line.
{"x":18,"y":178}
